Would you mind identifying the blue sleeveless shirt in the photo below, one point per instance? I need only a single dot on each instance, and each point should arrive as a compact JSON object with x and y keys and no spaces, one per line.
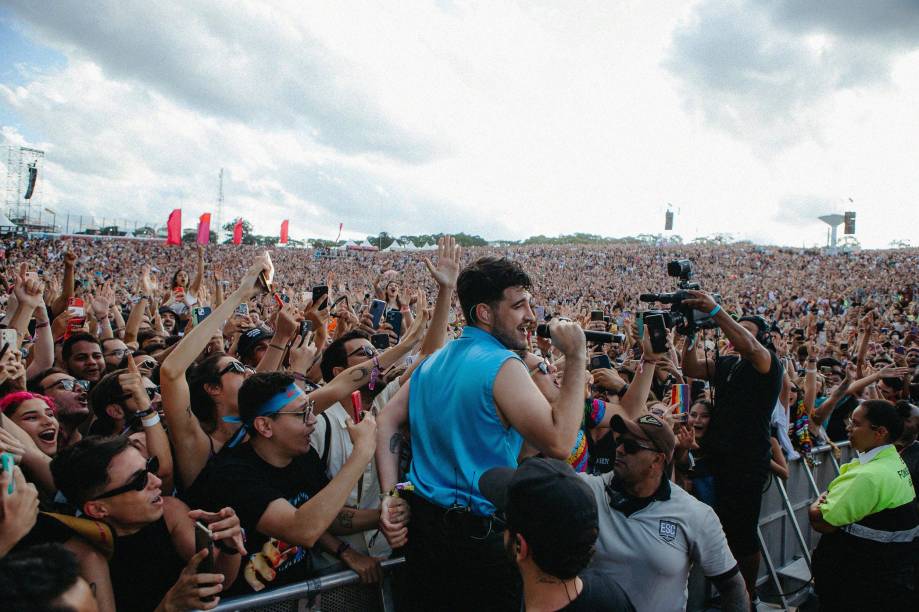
{"x":456,"y":432}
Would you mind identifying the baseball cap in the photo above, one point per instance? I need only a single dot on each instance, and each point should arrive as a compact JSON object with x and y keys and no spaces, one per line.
{"x":545,"y":501}
{"x":649,"y":428}
{"x":252,"y":337}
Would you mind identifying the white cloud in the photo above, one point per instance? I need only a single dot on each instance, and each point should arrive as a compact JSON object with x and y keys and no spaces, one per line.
{"x":493,"y":118}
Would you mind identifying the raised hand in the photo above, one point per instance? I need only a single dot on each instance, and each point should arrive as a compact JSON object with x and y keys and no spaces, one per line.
{"x":448,"y":263}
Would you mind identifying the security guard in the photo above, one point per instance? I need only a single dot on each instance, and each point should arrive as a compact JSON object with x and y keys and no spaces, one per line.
{"x":868,"y":555}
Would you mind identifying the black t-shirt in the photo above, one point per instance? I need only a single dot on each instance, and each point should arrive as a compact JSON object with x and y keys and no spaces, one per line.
{"x":601,"y":593}
{"x":738,"y":434}
{"x":240,"y":479}
{"x":836,"y":425}
{"x":144,"y":566}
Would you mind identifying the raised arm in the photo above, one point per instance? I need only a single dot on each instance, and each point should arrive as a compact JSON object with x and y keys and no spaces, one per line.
{"x":550,"y":428}
{"x":743,"y":341}
{"x":199,"y":275}
{"x":67,"y":289}
{"x":445,"y":275}
{"x":190,"y":440}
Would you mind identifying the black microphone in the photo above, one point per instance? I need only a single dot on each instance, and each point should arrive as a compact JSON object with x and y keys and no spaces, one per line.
{"x":542,"y":331}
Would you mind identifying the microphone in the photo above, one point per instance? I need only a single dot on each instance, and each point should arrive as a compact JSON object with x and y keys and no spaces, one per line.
{"x":542,"y":331}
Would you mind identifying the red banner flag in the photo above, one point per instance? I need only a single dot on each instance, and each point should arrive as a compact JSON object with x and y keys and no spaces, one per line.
{"x":238,"y":232}
{"x":204,"y":228}
{"x":284,"y":226}
{"x":174,"y":227}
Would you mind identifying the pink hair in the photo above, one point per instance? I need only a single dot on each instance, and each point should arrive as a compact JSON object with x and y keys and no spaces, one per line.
{"x":10,"y":403}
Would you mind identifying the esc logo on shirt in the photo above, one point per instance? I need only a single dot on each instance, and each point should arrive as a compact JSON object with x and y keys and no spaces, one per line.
{"x":667,"y":531}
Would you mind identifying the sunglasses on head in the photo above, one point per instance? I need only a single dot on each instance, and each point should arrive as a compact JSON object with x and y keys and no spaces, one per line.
{"x":148,"y":364}
{"x":138,"y":482}
{"x":631,"y":446}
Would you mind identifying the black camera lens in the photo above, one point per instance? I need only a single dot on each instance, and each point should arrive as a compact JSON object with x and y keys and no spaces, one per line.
{"x":681,"y":268}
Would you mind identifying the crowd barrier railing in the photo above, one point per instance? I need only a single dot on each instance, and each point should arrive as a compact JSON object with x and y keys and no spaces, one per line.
{"x":784,"y":532}
{"x":336,"y":592}
{"x":785,"y":535}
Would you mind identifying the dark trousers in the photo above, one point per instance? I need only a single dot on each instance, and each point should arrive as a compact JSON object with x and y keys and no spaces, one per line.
{"x":456,"y":561}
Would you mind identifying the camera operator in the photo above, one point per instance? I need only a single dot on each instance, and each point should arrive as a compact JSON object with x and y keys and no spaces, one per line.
{"x":747,"y":382}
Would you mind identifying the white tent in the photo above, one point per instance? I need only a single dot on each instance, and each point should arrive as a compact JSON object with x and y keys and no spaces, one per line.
{"x":5,"y":221}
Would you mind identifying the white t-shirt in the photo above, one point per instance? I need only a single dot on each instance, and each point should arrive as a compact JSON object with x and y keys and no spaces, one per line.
{"x":651,"y":551}
{"x":366,"y":495}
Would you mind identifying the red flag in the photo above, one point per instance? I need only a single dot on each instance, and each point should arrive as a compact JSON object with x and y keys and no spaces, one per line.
{"x":204,"y":228}
{"x":340,"y":225}
{"x":174,"y":227}
{"x":284,"y":226}
{"x":238,"y":232}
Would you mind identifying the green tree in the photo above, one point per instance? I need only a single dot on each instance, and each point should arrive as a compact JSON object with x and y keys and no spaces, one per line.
{"x":191,"y":236}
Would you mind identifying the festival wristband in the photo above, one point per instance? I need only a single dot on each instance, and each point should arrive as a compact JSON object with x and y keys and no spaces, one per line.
{"x":715,"y":310}
{"x":151,"y":421}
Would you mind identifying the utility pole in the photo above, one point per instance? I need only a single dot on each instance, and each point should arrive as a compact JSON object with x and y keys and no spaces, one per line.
{"x":220,"y":208}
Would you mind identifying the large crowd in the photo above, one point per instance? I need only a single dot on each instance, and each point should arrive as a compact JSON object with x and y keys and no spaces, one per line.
{"x":182,"y":424}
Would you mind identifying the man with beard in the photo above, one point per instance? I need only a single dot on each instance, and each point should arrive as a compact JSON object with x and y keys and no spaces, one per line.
{"x":83,"y":358}
{"x":652,"y":531}
{"x":70,"y":398}
{"x":470,"y":407}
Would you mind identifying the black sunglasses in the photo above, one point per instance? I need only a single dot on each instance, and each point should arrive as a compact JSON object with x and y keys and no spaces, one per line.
{"x":631,"y":446}
{"x":137,"y":483}
{"x":235,"y":367}
{"x":368,"y":351}
{"x":69,"y":384}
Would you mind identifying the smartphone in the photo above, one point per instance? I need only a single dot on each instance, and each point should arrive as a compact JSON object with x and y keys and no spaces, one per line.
{"x":681,"y":395}
{"x":285,"y":298}
{"x":377,"y":308}
{"x":596,"y":315}
{"x":394,"y":318}
{"x":242,"y":310}
{"x":380,"y":341}
{"x":203,"y":540}
{"x":618,"y":338}
{"x":318,"y":292}
{"x":539,"y":311}
{"x":9,"y":338}
{"x":900,"y":350}
{"x":657,"y":332}
{"x":305,"y":328}
{"x":200,"y":313}
{"x":844,"y":346}
{"x":600,"y":361}
{"x":697,"y":389}
{"x":356,"y":403}
{"x":7,"y":463}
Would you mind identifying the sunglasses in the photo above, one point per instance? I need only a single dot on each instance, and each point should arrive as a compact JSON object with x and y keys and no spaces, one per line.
{"x":149,"y":364}
{"x":120,"y":353}
{"x":368,"y":351}
{"x":235,"y":367}
{"x":69,"y":384}
{"x":631,"y":446}
{"x":138,"y":482}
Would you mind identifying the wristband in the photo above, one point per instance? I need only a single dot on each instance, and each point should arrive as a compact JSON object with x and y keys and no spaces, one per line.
{"x":810,"y":371}
{"x":342,"y":548}
{"x":40,"y":325}
{"x":623,"y":390}
{"x":715,"y":310}
{"x":151,"y":421}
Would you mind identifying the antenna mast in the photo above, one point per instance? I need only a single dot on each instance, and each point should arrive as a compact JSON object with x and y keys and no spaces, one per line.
{"x":220,"y":208}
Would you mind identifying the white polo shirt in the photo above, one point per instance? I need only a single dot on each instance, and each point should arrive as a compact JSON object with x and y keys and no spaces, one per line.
{"x":366,"y":495}
{"x":650,"y":551}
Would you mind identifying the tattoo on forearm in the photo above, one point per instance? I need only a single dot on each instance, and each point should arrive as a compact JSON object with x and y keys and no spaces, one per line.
{"x":346,"y":519}
{"x":360,"y":374}
{"x":395,"y":442}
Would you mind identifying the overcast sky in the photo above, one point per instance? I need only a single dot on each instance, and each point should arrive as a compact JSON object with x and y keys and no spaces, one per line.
{"x":495,"y":118}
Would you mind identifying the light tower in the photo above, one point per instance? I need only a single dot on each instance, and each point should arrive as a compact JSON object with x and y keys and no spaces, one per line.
{"x":834,"y":221}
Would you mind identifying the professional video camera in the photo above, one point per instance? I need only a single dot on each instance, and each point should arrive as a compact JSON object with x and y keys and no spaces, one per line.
{"x":685,"y":318}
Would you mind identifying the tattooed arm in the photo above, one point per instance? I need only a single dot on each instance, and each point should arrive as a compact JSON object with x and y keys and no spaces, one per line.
{"x":352,"y":520}
{"x":394,"y":510}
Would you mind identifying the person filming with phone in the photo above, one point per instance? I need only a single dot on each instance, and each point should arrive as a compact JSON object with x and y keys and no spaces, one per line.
{"x":747,"y":382}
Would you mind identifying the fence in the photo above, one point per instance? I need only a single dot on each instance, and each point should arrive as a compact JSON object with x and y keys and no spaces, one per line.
{"x":339,"y":592}
{"x":784,"y":531}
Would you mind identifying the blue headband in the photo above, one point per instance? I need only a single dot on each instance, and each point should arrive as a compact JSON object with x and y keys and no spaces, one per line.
{"x":272,"y":406}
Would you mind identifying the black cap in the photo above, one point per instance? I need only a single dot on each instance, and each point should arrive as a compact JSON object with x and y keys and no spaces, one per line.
{"x":546,"y":502}
{"x":248,"y":340}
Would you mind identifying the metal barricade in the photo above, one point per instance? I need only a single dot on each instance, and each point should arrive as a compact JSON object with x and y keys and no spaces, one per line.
{"x":784,"y":529}
{"x":332,"y":593}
